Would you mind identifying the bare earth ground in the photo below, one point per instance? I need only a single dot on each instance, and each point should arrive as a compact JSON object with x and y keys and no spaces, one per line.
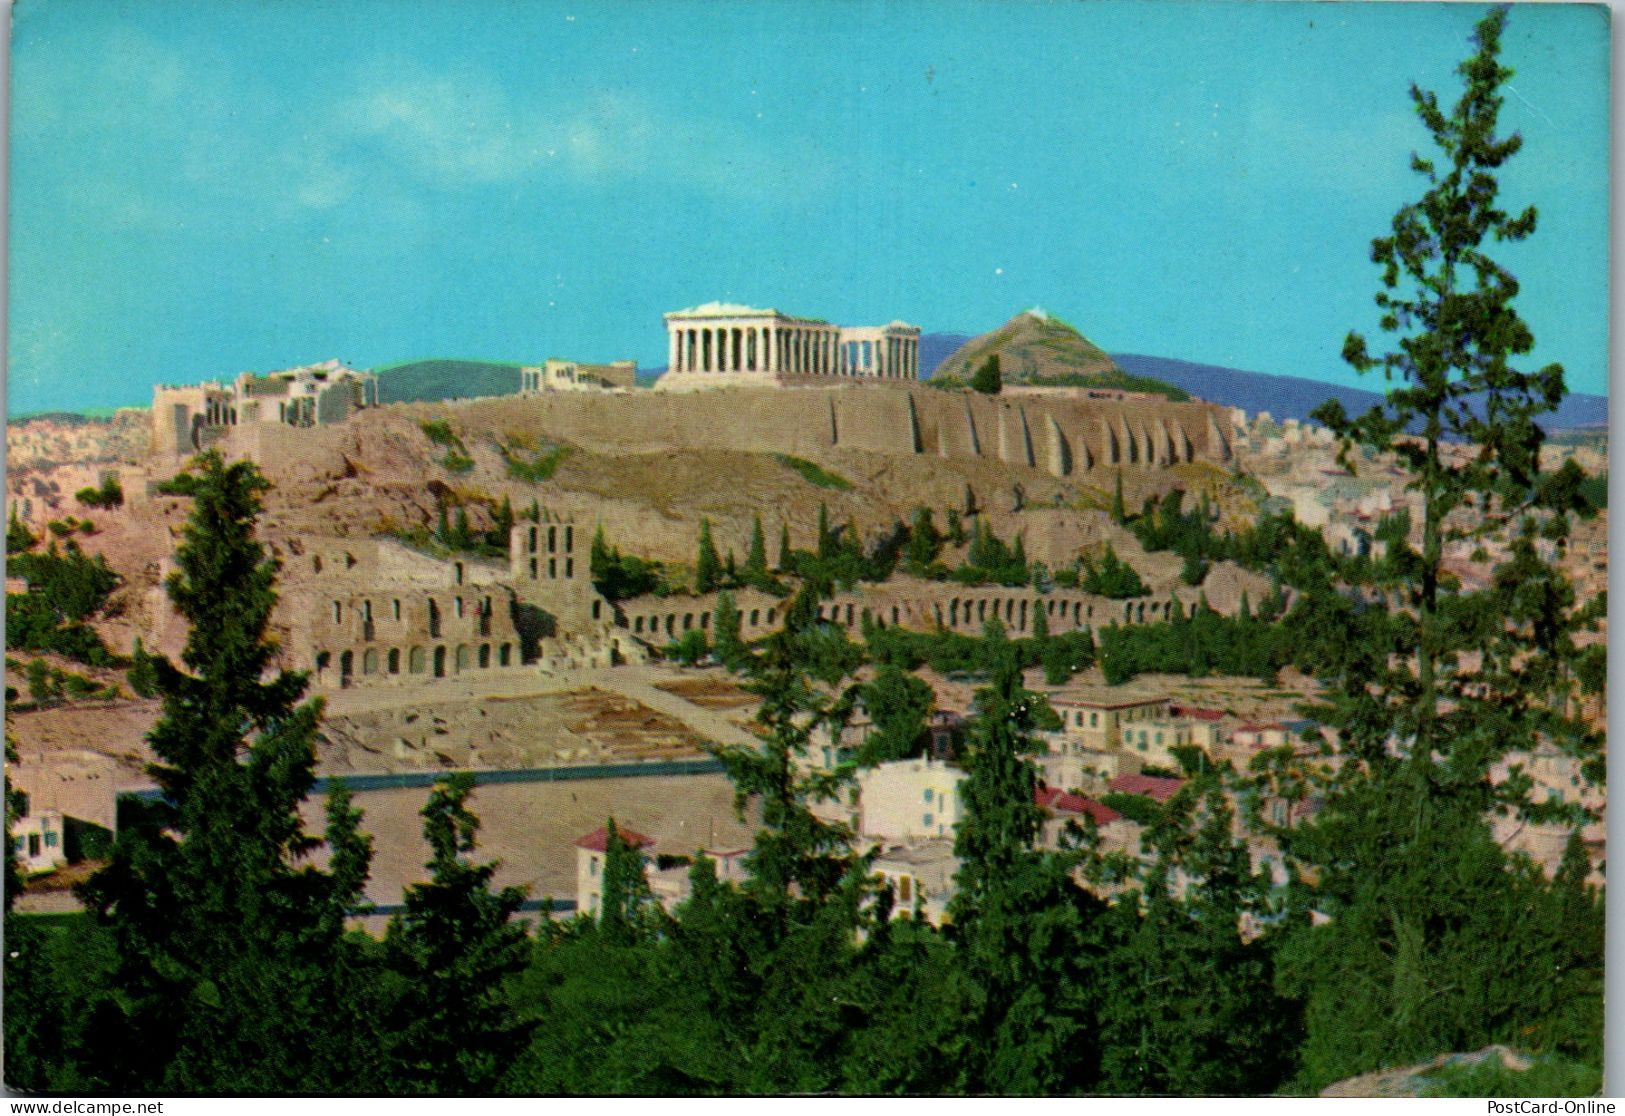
{"x":531,"y":828}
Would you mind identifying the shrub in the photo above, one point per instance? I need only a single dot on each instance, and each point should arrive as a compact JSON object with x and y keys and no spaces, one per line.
{"x":814,"y":474}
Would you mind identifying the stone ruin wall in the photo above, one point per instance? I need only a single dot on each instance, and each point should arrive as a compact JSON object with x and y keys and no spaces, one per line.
{"x":1063,"y":435}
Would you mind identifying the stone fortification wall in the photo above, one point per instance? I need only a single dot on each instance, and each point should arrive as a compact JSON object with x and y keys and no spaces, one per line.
{"x":913,"y":604}
{"x":1063,"y":433}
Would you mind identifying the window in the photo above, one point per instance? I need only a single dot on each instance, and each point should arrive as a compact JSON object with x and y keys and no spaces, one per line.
{"x":928,"y":794}
{"x":1159,"y":737}
{"x":569,"y":538}
{"x":397,"y":608}
{"x":533,"y":569}
{"x":569,"y":567}
{"x":592,"y":866}
{"x":928,"y":821}
{"x":1142,"y":740}
{"x":552,"y":539}
{"x":553,"y":567}
{"x":1094,"y":720}
{"x":338,"y":611}
{"x":597,"y":607}
{"x":1077,"y":718}
{"x":50,"y":840}
{"x":459,"y":573}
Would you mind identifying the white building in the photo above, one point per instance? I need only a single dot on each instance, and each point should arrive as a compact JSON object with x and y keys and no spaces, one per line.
{"x":909,"y":800}
{"x":718,"y":344}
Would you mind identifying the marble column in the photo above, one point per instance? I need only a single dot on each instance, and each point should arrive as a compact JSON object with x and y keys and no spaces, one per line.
{"x":671,"y":357}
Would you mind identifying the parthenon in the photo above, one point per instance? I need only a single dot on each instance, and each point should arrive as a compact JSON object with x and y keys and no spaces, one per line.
{"x":720,"y":343}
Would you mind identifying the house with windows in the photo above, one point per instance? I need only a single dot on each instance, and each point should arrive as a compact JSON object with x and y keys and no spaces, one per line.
{"x":909,"y":800}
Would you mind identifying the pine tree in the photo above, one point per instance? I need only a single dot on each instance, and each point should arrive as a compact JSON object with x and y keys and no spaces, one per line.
{"x":225,"y":941}
{"x":797,"y":857}
{"x":1427,"y":701}
{"x":1023,"y":927}
{"x":707,"y":567}
{"x":501,"y":525}
{"x":455,"y":947}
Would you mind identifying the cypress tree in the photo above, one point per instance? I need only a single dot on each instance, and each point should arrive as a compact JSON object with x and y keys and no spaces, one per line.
{"x":756,"y":559}
{"x":1119,"y":512}
{"x":729,"y":647}
{"x":625,"y":901}
{"x":225,"y":941}
{"x":784,"y":548}
{"x":707,"y":567}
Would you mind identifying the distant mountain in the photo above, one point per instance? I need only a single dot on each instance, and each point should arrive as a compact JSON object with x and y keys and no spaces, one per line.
{"x":1035,"y":348}
{"x":428,"y":381}
{"x":1295,"y":396}
{"x":936,"y":348}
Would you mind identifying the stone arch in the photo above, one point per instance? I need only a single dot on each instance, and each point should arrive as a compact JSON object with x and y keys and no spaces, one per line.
{"x":1128,"y":612}
{"x":688,"y":621}
{"x":637,"y":625}
{"x":1021,"y":613}
{"x":953,"y":613}
{"x":981,"y":610}
{"x":440,"y":661}
{"x":504,"y":654}
{"x":417,"y":661}
{"x":394,"y":660}
{"x":849,"y":614}
{"x":461,"y":658}
{"x":894,"y":615}
{"x":485,"y":656}
{"x":705,"y":621}
{"x":755,"y":617}
{"x":346,"y":667}
{"x":369,"y":661}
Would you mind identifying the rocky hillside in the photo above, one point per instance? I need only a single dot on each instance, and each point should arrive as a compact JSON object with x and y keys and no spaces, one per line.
{"x":1032,"y":346}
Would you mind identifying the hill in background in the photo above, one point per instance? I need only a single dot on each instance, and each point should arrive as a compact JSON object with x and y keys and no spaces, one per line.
{"x":427,"y":381}
{"x":1294,"y":397}
{"x":1035,"y":348}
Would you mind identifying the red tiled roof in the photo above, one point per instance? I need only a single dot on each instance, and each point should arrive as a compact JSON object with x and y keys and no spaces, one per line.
{"x":1196,"y":712}
{"x":1271,"y":726}
{"x":598,"y":839}
{"x":1063,"y":802}
{"x":1152,"y":786}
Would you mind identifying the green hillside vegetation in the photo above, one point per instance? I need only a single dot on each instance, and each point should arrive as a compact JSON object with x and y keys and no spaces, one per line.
{"x":429,"y":381}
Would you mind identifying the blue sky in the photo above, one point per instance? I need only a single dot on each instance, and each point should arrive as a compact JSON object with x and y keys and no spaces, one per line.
{"x":199,"y":188}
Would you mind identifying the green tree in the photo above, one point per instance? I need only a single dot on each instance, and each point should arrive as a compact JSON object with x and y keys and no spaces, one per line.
{"x":707,"y":566}
{"x":1418,"y":957}
{"x":225,"y":939}
{"x":455,"y":947}
{"x":1119,"y":512}
{"x":756,"y":573}
{"x":1024,"y":929}
{"x":797,"y":857}
{"x":899,"y":705}
{"x":143,"y":675}
{"x":625,"y":902}
{"x":18,"y":537}
{"x":785,"y":558}
{"x":987,"y":378}
{"x":729,"y":647}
